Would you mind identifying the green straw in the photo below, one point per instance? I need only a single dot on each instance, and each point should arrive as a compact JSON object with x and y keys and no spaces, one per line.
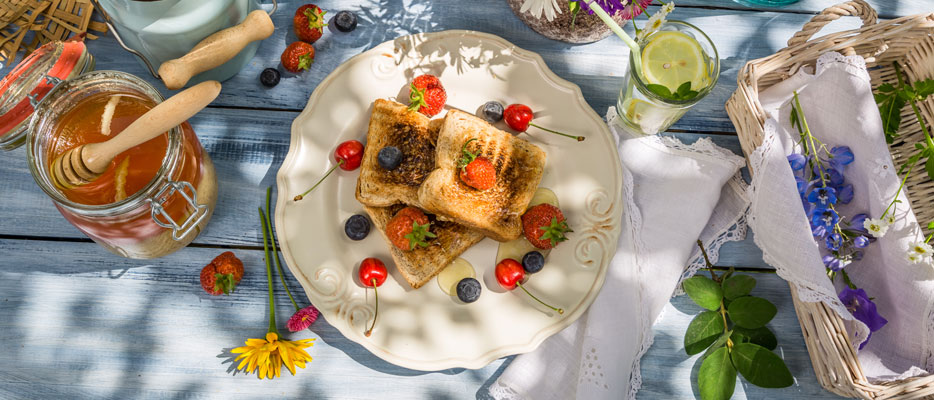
{"x":618,"y":30}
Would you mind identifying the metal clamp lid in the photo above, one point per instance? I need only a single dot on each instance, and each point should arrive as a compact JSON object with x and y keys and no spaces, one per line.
{"x":188,"y":192}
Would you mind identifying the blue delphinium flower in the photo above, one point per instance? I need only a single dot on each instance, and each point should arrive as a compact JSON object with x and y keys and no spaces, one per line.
{"x":835,"y":264}
{"x":834,"y":241}
{"x":856,"y":222}
{"x":840,"y":156}
{"x":860,"y":242}
{"x":825,"y":217}
{"x":845,"y":194}
{"x":863,"y":309}
{"x":823,"y":196}
{"x":797,"y":161}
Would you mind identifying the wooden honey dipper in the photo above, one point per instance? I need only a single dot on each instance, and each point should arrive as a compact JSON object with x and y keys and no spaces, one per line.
{"x":83,"y":164}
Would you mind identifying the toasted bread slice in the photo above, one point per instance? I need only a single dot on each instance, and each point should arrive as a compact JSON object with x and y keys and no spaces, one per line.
{"x":421,"y":264}
{"x":497,"y":211}
{"x":391,"y":124}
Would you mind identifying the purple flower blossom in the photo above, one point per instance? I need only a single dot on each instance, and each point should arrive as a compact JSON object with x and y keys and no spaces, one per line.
{"x":823,"y":196}
{"x":841,"y":155}
{"x":797,"y":161}
{"x":834,"y":263}
{"x":861,"y":242}
{"x":833,"y":241}
{"x":302,"y":319}
{"x":863,"y":309}
{"x":856,"y":222}
{"x":819,"y":231}
{"x":628,"y":9}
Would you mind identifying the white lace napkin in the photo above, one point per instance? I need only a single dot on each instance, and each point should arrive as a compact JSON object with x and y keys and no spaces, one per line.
{"x":837,"y":100}
{"x":675,"y":194}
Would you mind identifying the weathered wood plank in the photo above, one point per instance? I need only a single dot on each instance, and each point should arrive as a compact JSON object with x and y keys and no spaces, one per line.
{"x":885,"y":8}
{"x":668,"y":373}
{"x":597,"y":68}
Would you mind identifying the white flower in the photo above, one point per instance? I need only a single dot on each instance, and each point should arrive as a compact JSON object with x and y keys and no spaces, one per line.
{"x":889,"y":219}
{"x":921,"y":248}
{"x":914,"y":257}
{"x":655,"y":22}
{"x":668,"y":7}
{"x":538,"y":7}
{"x":875,"y":227}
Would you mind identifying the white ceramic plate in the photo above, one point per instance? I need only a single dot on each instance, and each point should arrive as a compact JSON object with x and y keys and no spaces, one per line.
{"x":426,"y":329}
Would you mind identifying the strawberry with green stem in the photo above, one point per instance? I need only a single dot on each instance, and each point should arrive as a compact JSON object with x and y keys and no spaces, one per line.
{"x":409,"y":228}
{"x":545,"y":226}
{"x":476,"y":172}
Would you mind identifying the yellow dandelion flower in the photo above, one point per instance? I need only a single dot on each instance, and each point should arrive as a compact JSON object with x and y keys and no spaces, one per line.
{"x":266,"y":356}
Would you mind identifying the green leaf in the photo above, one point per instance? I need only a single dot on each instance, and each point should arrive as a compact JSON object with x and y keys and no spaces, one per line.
{"x":702,"y":331}
{"x":886,"y":88}
{"x":924,"y":88}
{"x":907,"y":93}
{"x":931,"y":225}
{"x":760,"y":366}
{"x":751,"y":312}
{"x":685,"y":88}
{"x":721,"y":341}
{"x":738,"y":286}
{"x":660,"y":90}
{"x":717,"y":377}
{"x":705,"y":292}
{"x":761,"y":336}
{"x":929,"y":167}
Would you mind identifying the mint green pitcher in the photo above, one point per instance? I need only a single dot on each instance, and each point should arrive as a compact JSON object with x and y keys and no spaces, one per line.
{"x":189,"y":41}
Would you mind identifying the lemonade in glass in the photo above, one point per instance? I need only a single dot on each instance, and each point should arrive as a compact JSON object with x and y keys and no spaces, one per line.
{"x":678,"y":67}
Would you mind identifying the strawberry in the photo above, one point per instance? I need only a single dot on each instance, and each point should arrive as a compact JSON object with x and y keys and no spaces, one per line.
{"x":222,"y":275}
{"x":426,"y":95}
{"x":544,"y":226}
{"x":409,"y":228}
{"x":298,"y":56}
{"x":476,"y":172}
{"x":308,"y":23}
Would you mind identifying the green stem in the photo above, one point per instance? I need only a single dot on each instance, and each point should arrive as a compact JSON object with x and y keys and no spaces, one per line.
{"x":558,"y":310}
{"x":846,"y":279}
{"x":272,"y":301}
{"x":301,"y":196}
{"x":633,"y":46}
{"x":375,"y":312}
{"x":897,"y":192}
{"x":275,"y":251}
{"x":709,"y":264}
{"x":578,"y":138}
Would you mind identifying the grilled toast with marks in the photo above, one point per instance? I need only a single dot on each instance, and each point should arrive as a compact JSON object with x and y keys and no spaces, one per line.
{"x":421,"y":264}
{"x":497,"y":211}
{"x":391,"y":124}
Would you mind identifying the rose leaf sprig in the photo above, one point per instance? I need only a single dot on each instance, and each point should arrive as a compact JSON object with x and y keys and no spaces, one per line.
{"x":820,"y":177}
{"x":732,"y":334}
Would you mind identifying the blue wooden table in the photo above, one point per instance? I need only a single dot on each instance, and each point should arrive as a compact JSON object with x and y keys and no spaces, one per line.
{"x":78,"y":322}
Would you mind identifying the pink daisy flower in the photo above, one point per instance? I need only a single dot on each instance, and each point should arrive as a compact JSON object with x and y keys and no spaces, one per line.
{"x":628,"y":9}
{"x":302,"y":319}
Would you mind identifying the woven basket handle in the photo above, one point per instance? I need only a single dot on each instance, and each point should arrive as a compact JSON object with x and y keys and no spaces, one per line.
{"x":858,"y":8}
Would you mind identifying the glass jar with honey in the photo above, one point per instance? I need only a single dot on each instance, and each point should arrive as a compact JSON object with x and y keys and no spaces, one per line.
{"x":152,"y":199}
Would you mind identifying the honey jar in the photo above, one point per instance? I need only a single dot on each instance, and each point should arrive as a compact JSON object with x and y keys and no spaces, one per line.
{"x":153,"y":199}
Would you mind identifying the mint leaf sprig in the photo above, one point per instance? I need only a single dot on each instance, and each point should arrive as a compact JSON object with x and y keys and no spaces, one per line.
{"x":684,"y":92}
{"x":733,"y":333}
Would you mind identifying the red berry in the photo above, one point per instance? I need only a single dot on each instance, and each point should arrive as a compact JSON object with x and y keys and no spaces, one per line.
{"x":479,"y":174}
{"x":409,"y":228}
{"x":509,"y":273}
{"x":222,"y":274}
{"x":544,"y":226}
{"x":351,"y":153}
{"x":518,"y":116}
{"x":308,"y":23}
{"x":427,"y":95}
{"x":373,"y":272}
{"x":298,"y":56}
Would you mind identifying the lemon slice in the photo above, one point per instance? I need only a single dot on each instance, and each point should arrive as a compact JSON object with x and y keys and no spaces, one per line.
{"x":672,"y":58}
{"x":636,"y":110}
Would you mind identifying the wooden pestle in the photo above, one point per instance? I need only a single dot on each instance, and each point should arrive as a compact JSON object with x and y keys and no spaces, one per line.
{"x":85,"y":163}
{"x":216,"y":49}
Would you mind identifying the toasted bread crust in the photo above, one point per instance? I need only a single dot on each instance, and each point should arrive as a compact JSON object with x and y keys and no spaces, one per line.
{"x":421,"y":264}
{"x":496,"y":212}
{"x":391,"y":124}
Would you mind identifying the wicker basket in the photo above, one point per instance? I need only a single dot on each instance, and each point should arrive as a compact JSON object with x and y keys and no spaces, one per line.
{"x":908,"y":41}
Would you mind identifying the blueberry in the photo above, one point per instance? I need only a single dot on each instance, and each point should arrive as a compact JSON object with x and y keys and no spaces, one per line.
{"x":389,"y":157}
{"x":492,"y":111}
{"x":533,"y":262}
{"x":468,"y":290}
{"x":269,"y":77}
{"x":345,"y":21}
{"x":357,"y":227}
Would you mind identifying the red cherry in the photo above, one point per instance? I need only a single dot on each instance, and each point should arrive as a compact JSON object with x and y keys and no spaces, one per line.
{"x":372,"y":274}
{"x":351,"y":153}
{"x":509,"y":274}
{"x":518,"y":116}
{"x":348,"y":154}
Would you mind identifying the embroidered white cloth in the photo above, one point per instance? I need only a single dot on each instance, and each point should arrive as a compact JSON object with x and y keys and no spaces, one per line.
{"x":838,"y":103}
{"x":674,"y":193}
